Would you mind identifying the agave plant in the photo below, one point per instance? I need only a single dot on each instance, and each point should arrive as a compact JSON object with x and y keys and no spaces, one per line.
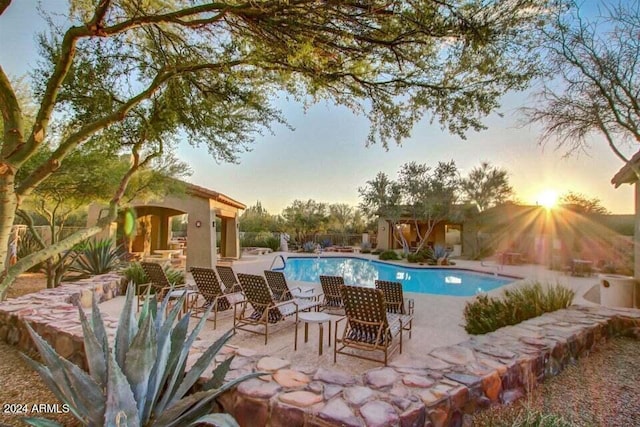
{"x":142,"y":380}
{"x":97,"y":257}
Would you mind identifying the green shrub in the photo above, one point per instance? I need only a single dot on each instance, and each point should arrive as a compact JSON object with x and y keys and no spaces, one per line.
{"x":389,"y":255}
{"x":485,"y":314}
{"x":376,"y":251}
{"x":135,"y":274}
{"x":142,"y":379}
{"x":413,"y":258}
{"x":96,"y":257}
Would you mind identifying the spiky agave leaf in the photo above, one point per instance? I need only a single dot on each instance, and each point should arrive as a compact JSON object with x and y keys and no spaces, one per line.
{"x":158,"y":372}
{"x":80,"y":391}
{"x":41,"y":422}
{"x":203,"y":362}
{"x":180,"y":363}
{"x":121,"y":409}
{"x":127,"y":326}
{"x":218,"y":420}
{"x":139,"y":362}
{"x":219,"y":374}
{"x":94,"y":351}
{"x":185,"y":411}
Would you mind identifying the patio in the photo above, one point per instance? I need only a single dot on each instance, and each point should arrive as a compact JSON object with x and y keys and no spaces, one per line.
{"x":442,"y":375}
{"x":438,"y":320}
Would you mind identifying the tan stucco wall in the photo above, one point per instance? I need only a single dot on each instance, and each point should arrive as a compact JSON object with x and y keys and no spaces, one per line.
{"x":383,"y":234}
{"x":201,"y":241}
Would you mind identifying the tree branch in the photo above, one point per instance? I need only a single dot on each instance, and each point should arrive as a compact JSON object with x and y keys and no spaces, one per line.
{"x":11,"y":116}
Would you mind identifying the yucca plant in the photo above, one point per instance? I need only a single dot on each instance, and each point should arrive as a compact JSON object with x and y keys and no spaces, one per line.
{"x":96,"y":257}
{"x":142,"y":380}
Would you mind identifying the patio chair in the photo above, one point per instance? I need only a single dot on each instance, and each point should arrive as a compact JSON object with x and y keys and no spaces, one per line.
{"x":228,"y":277}
{"x":394,"y":297}
{"x":369,"y":327}
{"x":280,"y":288}
{"x":210,"y":289}
{"x":266,"y":311}
{"x":331,"y":290}
{"x":159,"y":284}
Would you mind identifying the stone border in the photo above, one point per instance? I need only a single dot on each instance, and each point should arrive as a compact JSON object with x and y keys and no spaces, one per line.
{"x":498,"y":367}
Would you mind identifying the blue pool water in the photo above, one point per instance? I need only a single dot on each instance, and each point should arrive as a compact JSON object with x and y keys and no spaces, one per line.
{"x":441,"y":281}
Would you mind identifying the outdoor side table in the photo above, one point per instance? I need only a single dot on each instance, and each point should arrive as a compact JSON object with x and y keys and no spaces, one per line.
{"x":313,"y":317}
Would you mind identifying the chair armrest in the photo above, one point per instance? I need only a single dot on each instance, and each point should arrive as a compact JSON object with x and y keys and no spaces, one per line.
{"x":234,"y":289}
{"x":280,"y":304}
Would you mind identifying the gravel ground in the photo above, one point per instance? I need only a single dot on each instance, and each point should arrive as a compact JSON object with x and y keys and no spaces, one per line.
{"x":20,"y":386}
{"x":600,"y":390}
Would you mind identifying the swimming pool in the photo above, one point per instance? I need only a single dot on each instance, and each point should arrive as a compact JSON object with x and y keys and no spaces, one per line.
{"x":441,"y":281}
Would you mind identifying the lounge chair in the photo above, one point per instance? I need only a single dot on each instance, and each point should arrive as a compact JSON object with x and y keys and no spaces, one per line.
{"x":369,"y":327}
{"x":266,"y":311}
{"x":229,"y":279}
{"x":394,"y":297}
{"x":331,"y":290}
{"x":160,"y":285}
{"x":210,"y":289}
{"x":281,"y":290}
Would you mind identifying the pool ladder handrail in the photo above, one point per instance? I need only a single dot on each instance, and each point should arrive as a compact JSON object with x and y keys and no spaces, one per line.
{"x":275,"y":258}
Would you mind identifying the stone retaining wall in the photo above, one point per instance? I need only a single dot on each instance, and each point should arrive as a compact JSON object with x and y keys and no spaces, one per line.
{"x":494,"y":368}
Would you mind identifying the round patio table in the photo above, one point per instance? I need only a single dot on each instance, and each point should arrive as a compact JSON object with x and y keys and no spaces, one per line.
{"x":313,"y":317}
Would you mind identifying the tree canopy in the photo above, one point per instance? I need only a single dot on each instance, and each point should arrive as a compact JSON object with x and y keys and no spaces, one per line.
{"x":593,"y":78}
{"x":152,"y":72}
{"x":486,"y":186}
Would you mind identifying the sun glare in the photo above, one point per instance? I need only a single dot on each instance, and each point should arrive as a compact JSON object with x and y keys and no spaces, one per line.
{"x":548,"y":198}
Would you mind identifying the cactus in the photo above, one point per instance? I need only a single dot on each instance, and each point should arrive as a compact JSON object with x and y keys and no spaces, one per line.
{"x":142,"y":380}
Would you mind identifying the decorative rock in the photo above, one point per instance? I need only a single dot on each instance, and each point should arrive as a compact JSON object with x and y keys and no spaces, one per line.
{"x":401,"y":402}
{"x":417,"y":381}
{"x":272,"y":364}
{"x":291,"y":378}
{"x":286,"y":415}
{"x":334,"y":377}
{"x":246,"y":352}
{"x":415,"y":417}
{"x":338,"y":412}
{"x":456,"y":355}
{"x":331,"y":390}
{"x":510,"y":396}
{"x":380,"y":378}
{"x":64,"y":345}
{"x":468,"y":380}
{"x":357,"y":395}
{"x":256,"y":388}
{"x":492,"y":386}
{"x":239,"y":362}
{"x":300,"y":398}
{"x":378,"y":413}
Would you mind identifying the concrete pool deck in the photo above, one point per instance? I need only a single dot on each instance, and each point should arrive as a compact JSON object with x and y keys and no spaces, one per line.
{"x":437,"y":323}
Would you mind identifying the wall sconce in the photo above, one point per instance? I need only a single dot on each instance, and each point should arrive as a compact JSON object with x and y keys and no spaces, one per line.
{"x":383,"y":228}
{"x":198,"y":224}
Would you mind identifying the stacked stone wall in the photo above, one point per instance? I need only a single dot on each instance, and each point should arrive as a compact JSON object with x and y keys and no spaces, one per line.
{"x":489,"y":369}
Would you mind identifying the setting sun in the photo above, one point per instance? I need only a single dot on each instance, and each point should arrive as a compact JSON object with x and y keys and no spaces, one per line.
{"x":548,"y":198}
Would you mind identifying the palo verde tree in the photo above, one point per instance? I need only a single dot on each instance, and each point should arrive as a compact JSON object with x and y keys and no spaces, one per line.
{"x":593,"y":78}
{"x":156,"y":70}
{"x":422,"y":196}
{"x":486,"y":186}
{"x":305,"y":218}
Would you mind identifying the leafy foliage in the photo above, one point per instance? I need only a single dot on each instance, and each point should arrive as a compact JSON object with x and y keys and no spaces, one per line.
{"x":582,"y":203}
{"x":486,"y":314}
{"x":389,"y":255}
{"x":260,"y":240}
{"x":305,"y":218}
{"x":142,"y":380}
{"x":136,"y":275}
{"x":486,"y":186}
{"x":96,"y":257}
{"x":592,"y":79}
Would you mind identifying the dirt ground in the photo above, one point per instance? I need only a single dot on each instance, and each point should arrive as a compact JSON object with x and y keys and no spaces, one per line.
{"x":22,"y":392}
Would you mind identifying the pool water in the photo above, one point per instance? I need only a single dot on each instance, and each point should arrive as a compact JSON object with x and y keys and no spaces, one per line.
{"x":357,"y":271}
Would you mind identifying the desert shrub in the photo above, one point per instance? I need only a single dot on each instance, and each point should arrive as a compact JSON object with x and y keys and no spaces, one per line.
{"x":96,"y":257}
{"x":309,"y":247}
{"x":134,"y":273}
{"x":142,"y":378}
{"x":413,"y":258}
{"x":389,"y":255}
{"x":376,"y":251}
{"x":27,"y":245}
{"x":263,"y":239}
{"x":486,"y":314}
{"x":325,"y":243}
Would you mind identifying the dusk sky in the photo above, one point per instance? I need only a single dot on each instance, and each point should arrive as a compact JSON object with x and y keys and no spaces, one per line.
{"x":325,"y":157}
